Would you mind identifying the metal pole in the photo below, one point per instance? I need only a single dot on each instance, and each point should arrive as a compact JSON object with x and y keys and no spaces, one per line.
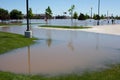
{"x":91,"y":12}
{"x":108,"y":16}
{"x":98,"y":11}
{"x":27,"y":7}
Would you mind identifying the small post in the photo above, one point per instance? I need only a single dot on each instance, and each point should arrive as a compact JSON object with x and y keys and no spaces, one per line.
{"x":28,"y":32}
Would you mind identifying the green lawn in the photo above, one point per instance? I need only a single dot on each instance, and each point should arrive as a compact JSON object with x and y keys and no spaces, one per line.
{"x":9,"y":41}
{"x":65,"y":27}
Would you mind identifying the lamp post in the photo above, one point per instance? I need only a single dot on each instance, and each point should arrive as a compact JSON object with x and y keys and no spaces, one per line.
{"x":108,"y":16}
{"x":27,"y":7}
{"x":98,"y":23}
{"x":28,"y":32}
{"x":91,"y":12}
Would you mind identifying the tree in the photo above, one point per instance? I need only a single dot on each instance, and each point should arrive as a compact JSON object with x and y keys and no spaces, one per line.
{"x":4,"y":15}
{"x":87,"y":16}
{"x":102,"y":16}
{"x":15,"y":14}
{"x":48,"y":13}
{"x":71,"y":13}
{"x":81,"y":17}
{"x":96,"y":17}
{"x":75,"y":15}
{"x":30,"y":14}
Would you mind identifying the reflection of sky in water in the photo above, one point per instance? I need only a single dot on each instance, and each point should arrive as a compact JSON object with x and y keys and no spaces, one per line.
{"x":60,"y":51}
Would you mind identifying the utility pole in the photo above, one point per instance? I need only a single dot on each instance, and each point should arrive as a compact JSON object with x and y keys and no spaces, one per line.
{"x":91,"y":12}
{"x":108,"y":16}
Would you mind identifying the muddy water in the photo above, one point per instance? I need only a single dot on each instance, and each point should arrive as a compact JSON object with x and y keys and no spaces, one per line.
{"x":60,"y":51}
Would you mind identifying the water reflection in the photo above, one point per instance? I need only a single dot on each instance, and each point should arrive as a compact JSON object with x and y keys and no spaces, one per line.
{"x":62,"y":51}
{"x":97,"y":41}
{"x":73,"y":36}
{"x":49,"y":39}
{"x":29,"y":63}
{"x":5,"y":29}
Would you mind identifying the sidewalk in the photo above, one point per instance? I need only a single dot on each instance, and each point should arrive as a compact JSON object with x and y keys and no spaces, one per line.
{"x":106,"y":29}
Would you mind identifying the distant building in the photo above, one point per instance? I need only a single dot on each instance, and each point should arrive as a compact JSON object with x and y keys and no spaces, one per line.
{"x":39,"y":16}
{"x":62,"y":17}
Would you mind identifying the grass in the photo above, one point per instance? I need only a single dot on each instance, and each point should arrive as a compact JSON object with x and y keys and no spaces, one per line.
{"x":109,"y":74}
{"x":65,"y":27}
{"x":9,"y":41}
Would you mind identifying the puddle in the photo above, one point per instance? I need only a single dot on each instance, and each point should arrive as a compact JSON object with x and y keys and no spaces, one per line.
{"x":62,"y":52}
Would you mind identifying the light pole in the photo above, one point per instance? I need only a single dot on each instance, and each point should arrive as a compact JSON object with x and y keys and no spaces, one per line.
{"x":27,"y":6}
{"x":28,"y":32}
{"x":91,"y":12}
{"x":108,"y":16}
{"x":98,"y":23}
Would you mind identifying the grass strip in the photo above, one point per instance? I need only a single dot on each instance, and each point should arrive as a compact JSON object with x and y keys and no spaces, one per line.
{"x":65,"y":27}
{"x":10,"y":41}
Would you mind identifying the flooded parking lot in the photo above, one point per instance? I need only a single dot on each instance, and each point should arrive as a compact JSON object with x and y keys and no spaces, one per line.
{"x":61,"y":51}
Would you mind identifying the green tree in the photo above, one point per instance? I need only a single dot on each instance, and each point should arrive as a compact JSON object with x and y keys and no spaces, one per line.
{"x":96,"y":17}
{"x":75,"y":15}
{"x":48,"y":13}
{"x":71,"y":13}
{"x":87,"y":16}
{"x":16,"y":14}
{"x":4,"y":14}
{"x":102,"y":16}
{"x":117,"y":17}
{"x":30,"y":14}
{"x":81,"y":17}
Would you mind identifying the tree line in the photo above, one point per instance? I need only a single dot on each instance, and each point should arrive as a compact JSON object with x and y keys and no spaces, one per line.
{"x":16,"y":14}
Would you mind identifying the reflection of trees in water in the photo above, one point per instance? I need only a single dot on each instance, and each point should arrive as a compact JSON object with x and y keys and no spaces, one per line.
{"x":70,"y":45}
{"x":49,"y":39}
{"x":5,"y":28}
{"x":97,"y":41}
{"x":73,"y":35}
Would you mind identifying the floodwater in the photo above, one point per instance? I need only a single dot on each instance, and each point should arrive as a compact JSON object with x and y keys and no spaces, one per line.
{"x":61,"y":52}
{"x":67,"y":22}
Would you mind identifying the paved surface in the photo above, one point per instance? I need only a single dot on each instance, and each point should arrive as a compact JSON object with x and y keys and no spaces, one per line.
{"x":106,"y":29}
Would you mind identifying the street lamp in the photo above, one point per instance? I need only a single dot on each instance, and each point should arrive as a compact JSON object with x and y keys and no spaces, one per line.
{"x":98,"y":12}
{"x":28,"y":32}
{"x":91,"y":12}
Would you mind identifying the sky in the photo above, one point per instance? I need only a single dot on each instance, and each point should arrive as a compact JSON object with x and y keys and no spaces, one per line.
{"x":58,"y":7}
